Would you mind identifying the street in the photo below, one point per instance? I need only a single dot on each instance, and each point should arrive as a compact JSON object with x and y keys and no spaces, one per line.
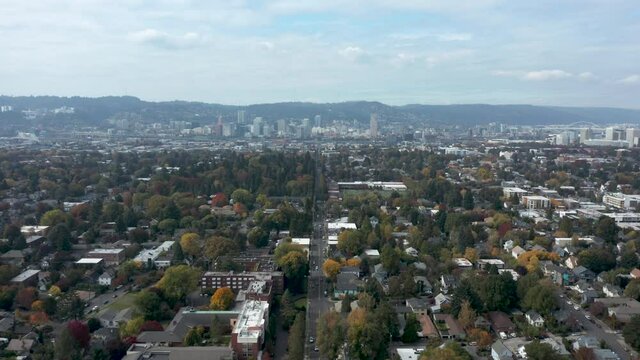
{"x":600,"y":331}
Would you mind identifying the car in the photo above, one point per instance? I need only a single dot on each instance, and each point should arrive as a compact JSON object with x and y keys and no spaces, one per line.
{"x":106,"y":302}
{"x":94,"y":308}
{"x":115,"y":296}
{"x":316,"y":349}
{"x":473,"y":343}
{"x":325,"y":293}
{"x":588,"y":316}
{"x":576,"y":307}
{"x":568,"y":302}
{"x":311,"y":340}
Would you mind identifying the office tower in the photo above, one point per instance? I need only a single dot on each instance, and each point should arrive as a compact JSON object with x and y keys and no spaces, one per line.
{"x":318,"y":121}
{"x":373,"y":126}
{"x":585,"y":134}
{"x":282,"y":127}
{"x":241,"y":115}
{"x":219,"y":126}
{"x":632,"y":136}
{"x":256,"y":128}
{"x":306,"y":127}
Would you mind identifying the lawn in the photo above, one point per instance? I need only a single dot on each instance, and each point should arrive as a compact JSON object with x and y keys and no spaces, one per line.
{"x":301,"y":304}
{"x":122,"y":302}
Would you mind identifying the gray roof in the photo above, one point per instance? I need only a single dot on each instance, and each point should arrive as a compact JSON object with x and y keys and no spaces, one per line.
{"x":182,"y":322}
{"x":181,"y":353}
{"x":347,"y":282}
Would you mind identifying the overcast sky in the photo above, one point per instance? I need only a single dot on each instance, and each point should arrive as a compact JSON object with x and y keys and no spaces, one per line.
{"x":568,"y":52}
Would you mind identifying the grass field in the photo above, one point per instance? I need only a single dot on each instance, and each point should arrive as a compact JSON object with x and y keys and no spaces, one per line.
{"x":123,"y":302}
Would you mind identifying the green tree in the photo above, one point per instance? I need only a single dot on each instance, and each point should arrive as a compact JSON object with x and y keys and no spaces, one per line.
{"x":597,"y":260}
{"x":607,"y":229}
{"x":287,"y":309}
{"x":190,"y":244}
{"x":60,"y":236}
{"x":390,"y":259}
{"x":178,"y":281}
{"x":193,"y":336}
{"x":243,"y":196}
{"x":541,"y":351}
{"x":411,"y":328}
{"x":541,"y":298}
{"x":467,"y":200}
{"x":498,"y":292}
{"x":149,"y":304}
{"x":631,"y":332}
{"x":258,"y":237}
{"x":297,"y":338}
{"x":55,"y":217}
{"x":66,"y":347}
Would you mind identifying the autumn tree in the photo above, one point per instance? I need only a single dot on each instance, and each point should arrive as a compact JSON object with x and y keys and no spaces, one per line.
{"x":190,"y":244}
{"x":466,"y":316}
{"x":331,"y":331}
{"x":331,"y":268}
{"x":222,"y":299}
{"x":80,"y":333}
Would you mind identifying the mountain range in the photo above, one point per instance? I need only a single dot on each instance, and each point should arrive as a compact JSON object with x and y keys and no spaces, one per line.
{"x":95,"y":111}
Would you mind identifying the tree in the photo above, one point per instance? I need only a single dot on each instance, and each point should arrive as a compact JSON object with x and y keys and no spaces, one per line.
{"x":287,"y":309}
{"x":242,"y":196}
{"x":390,"y":259}
{"x":481,"y":337}
{"x":297,"y":337}
{"x":541,"y":351}
{"x":294,"y":265}
{"x":60,"y":237}
{"x":607,"y":229}
{"x":331,"y":331}
{"x":55,"y":217}
{"x":331,"y":268}
{"x":93,"y":324}
{"x":190,"y":244}
{"x":498,"y":292}
{"x":193,"y":336}
{"x":80,"y":333}
{"x":411,"y":328}
{"x":631,"y":332}
{"x":633,"y":289}
{"x":222,"y":299}
{"x":55,"y":291}
{"x":541,"y":298}
{"x":597,"y":260}
{"x":217,"y":246}
{"x":451,"y":351}
{"x":629,"y":260}
{"x":467,"y":200}
{"x":149,"y":304}
{"x":584,"y":353}
{"x":466,"y":316}
{"x":178,"y":281}
{"x":131,"y":327}
{"x":66,"y":347}
{"x":258,"y":237}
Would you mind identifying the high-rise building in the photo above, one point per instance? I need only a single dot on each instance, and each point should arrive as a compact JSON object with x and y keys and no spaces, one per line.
{"x":585,"y":134}
{"x":318,"y":121}
{"x":241,"y":115}
{"x":306,"y":128}
{"x":632,"y":136}
{"x":256,"y":128}
{"x":282,"y":127}
{"x":373,"y":126}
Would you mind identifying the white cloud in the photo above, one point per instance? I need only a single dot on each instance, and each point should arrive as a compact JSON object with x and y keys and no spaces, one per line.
{"x":353,"y":53}
{"x":447,"y":56}
{"x":631,"y":79}
{"x":454,"y":37}
{"x":164,"y":40}
{"x":403,"y":59}
{"x":543,"y":75}
{"x":267,"y":45}
{"x":587,"y":76}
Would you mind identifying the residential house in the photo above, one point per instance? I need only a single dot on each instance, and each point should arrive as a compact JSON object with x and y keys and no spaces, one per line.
{"x":623,"y":308}
{"x":346,"y":284}
{"x":484,"y":263}
{"x":428,"y":329}
{"x":411,"y":252}
{"x":611,"y":290}
{"x":105,"y":278}
{"x":500,"y":323}
{"x":113,"y":318}
{"x":517,"y":251}
{"x":448,"y":283}
{"x":418,"y":306}
{"x":13,"y":257}
{"x":21,"y":347}
{"x":583,"y":273}
{"x":500,"y":352}
{"x":588,"y":296}
{"x":534,"y":319}
{"x":440,"y":301}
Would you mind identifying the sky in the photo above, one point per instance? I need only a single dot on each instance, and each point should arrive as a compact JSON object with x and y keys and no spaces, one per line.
{"x":542,"y":52}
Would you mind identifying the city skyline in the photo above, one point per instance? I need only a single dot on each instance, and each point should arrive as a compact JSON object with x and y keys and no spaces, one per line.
{"x":436,"y":52}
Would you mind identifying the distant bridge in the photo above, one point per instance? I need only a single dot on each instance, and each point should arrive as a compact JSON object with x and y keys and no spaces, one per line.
{"x":577,"y":126}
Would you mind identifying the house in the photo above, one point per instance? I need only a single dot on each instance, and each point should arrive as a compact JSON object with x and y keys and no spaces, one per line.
{"x":500,"y":323}
{"x":346,"y":284}
{"x":418,"y":306}
{"x":485,"y":263}
{"x":571,"y":262}
{"x":588,"y":296}
{"x":534,"y":319}
{"x":439,"y":301}
{"x":482,"y":323}
{"x":611,"y":290}
{"x":409,"y":353}
{"x":27,"y":278}
{"x":104,"y":335}
{"x":424,"y":286}
{"x":411,"y":252}
{"x":20,"y":346}
{"x":112,"y":318}
{"x":500,"y":352}
{"x":13,"y":257}
{"x":448,"y":282}
{"x":623,"y":308}
{"x":448,"y":327}
{"x":517,"y":251}
{"x":586,"y":342}
{"x":583,"y":273}
{"x":105,"y":279}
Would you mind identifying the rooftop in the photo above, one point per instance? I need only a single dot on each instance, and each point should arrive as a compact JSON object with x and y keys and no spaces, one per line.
{"x":25,"y":275}
{"x":251,"y":322}
{"x":89,"y":261}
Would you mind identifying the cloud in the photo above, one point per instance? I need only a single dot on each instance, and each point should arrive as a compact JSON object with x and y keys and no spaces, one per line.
{"x":543,"y":75}
{"x":447,"y":56}
{"x":403,"y":59}
{"x":267,"y":45}
{"x":353,"y":53}
{"x":161,"y":39}
{"x":631,"y":79}
{"x":454,"y":37}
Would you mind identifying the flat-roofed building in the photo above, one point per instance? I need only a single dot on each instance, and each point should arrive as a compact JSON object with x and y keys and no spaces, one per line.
{"x":248,"y":333}
{"x":535,"y":202}
{"x":27,"y":277}
{"x":110,"y":256}
{"x":237,"y":281}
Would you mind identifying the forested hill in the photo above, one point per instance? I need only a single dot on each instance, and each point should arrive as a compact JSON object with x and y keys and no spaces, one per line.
{"x":95,"y":111}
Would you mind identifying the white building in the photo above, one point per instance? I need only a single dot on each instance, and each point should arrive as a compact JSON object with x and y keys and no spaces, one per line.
{"x":621,"y":201}
{"x":535,"y":202}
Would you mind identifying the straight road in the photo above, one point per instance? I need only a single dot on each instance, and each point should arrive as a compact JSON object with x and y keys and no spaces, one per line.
{"x":600,"y":331}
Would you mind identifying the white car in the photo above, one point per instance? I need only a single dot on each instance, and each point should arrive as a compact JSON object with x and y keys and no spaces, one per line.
{"x":576,"y":307}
